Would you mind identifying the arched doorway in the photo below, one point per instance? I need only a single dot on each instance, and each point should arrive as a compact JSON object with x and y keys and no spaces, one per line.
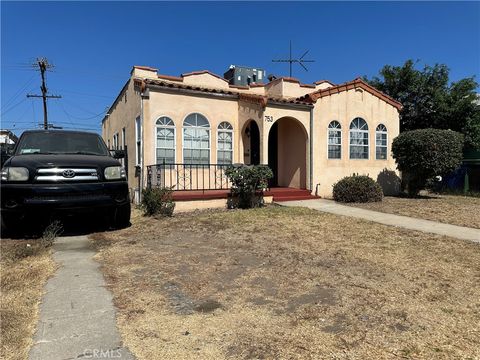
{"x":251,"y":143}
{"x":287,"y":153}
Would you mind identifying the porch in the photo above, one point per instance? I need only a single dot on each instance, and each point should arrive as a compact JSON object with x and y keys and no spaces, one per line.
{"x":192,"y":182}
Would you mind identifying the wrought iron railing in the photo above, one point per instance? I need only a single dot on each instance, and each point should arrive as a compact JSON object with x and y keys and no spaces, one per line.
{"x":188,"y":176}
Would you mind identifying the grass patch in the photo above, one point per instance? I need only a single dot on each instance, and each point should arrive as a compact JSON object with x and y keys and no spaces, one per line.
{"x":25,"y":266}
{"x":291,"y":283}
{"x":449,"y":209}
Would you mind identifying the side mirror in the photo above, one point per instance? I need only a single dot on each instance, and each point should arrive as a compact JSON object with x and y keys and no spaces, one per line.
{"x":117,"y":154}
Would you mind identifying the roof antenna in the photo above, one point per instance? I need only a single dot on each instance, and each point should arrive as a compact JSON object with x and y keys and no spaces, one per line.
{"x":300,"y":61}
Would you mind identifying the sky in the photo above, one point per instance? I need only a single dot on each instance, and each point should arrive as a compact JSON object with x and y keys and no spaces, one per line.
{"x":93,"y":46}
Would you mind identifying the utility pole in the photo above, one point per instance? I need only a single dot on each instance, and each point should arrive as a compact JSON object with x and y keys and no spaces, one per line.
{"x":290,"y":60}
{"x":42,"y":64}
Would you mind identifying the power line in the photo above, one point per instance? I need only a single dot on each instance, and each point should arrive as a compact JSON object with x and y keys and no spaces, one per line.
{"x":43,"y":65}
{"x":20,"y":117}
{"x":70,"y":125}
{"x":33,"y":110}
{"x":85,"y":94}
{"x":81,"y":108}
{"x":70,"y":116}
{"x":13,"y":106}
{"x":14,"y":96}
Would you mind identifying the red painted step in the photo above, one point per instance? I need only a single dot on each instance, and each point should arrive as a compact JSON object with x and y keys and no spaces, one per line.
{"x":292,"y":198}
{"x":289,"y":194}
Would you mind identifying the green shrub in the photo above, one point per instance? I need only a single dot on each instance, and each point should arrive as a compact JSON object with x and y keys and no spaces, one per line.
{"x":357,"y":188}
{"x":390,"y":182}
{"x":157,"y":201}
{"x":426,"y":153}
{"x":248,"y":183}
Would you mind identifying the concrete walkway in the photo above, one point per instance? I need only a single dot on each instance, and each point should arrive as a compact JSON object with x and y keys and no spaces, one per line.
{"x":77,"y":316}
{"x":459,"y":232}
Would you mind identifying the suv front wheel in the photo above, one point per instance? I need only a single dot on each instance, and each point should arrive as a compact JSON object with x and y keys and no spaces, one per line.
{"x":121,"y":216}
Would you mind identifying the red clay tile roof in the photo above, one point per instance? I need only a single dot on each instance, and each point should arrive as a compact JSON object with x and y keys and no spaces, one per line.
{"x":252,"y":85}
{"x":169,"y":77}
{"x":290,"y":79}
{"x":145,"y":68}
{"x":354,"y":84}
{"x":247,"y":97}
{"x":323,"y":81}
{"x":253,"y":98}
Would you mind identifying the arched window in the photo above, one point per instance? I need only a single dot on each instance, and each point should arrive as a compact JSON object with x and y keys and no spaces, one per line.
{"x":358,"y":139}
{"x":165,"y":145}
{"x":225,"y":143}
{"x":381,"y":142}
{"x":334,"y":140}
{"x":196,"y":139}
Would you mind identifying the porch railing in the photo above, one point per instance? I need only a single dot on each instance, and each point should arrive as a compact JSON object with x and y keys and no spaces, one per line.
{"x":188,"y":176}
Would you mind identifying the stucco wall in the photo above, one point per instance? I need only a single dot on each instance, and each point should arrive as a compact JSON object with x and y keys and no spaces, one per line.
{"x":294,"y":89}
{"x":344,"y":107}
{"x":177,"y":107}
{"x":205,"y":80}
{"x":123,"y":115}
{"x":276,"y":113}
{"x":293,"y":135}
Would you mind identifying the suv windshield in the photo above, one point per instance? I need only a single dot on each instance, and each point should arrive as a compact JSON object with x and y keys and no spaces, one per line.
{"x":61,"y":143}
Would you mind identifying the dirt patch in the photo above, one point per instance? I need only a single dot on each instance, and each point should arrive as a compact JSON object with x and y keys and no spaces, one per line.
{"x":317,"y":296}
{"x":449,"y":209}
{"x":291,"y":283}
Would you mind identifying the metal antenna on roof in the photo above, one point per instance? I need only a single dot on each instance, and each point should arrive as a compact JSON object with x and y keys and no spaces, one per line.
{"x":300,"y":61}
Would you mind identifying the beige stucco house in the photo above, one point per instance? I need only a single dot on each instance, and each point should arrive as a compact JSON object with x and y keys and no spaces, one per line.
{"x":192,"y":125}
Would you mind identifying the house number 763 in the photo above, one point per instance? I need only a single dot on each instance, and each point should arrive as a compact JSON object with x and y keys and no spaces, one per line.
{"x":268,"y":118}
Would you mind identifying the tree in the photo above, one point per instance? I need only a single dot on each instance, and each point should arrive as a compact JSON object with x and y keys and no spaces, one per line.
{"x":425,"y":153}
{"x":430,"y":101}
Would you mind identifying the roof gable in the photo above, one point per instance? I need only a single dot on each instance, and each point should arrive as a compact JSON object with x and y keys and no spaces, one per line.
{"x":354,"y":84}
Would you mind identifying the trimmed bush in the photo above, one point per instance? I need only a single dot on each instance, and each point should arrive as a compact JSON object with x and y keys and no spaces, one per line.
{"x":357,"y":188}
{"x":390,"y":182}
{"x":248,"y":183}
{"x":426,"y":153}
{"x":157,"y":201}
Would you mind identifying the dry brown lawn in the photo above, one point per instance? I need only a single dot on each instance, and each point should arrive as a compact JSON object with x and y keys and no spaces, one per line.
{"x":291,"y":283}
{"x":456,"y":210}
{"x":24,"y":270}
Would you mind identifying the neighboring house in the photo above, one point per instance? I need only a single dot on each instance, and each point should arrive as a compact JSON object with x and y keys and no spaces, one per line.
{"x":7,"y":142}
{"x":311,"y":135}
{"x":7,"y":138}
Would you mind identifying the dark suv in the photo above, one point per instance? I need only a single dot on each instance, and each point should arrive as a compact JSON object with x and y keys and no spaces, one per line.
{"x":63,"y":171}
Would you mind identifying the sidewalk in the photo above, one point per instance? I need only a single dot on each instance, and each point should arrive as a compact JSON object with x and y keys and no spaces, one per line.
{"x":77,"y":316}
{"x":330,"y":206}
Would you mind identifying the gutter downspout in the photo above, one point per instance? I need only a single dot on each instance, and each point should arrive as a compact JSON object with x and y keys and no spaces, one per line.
{"x":311,"y":149}
{"x":141,"y":148}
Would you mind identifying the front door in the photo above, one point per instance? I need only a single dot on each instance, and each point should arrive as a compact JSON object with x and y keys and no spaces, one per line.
{"x":254,"y":143}
{"x":273,"y":154}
